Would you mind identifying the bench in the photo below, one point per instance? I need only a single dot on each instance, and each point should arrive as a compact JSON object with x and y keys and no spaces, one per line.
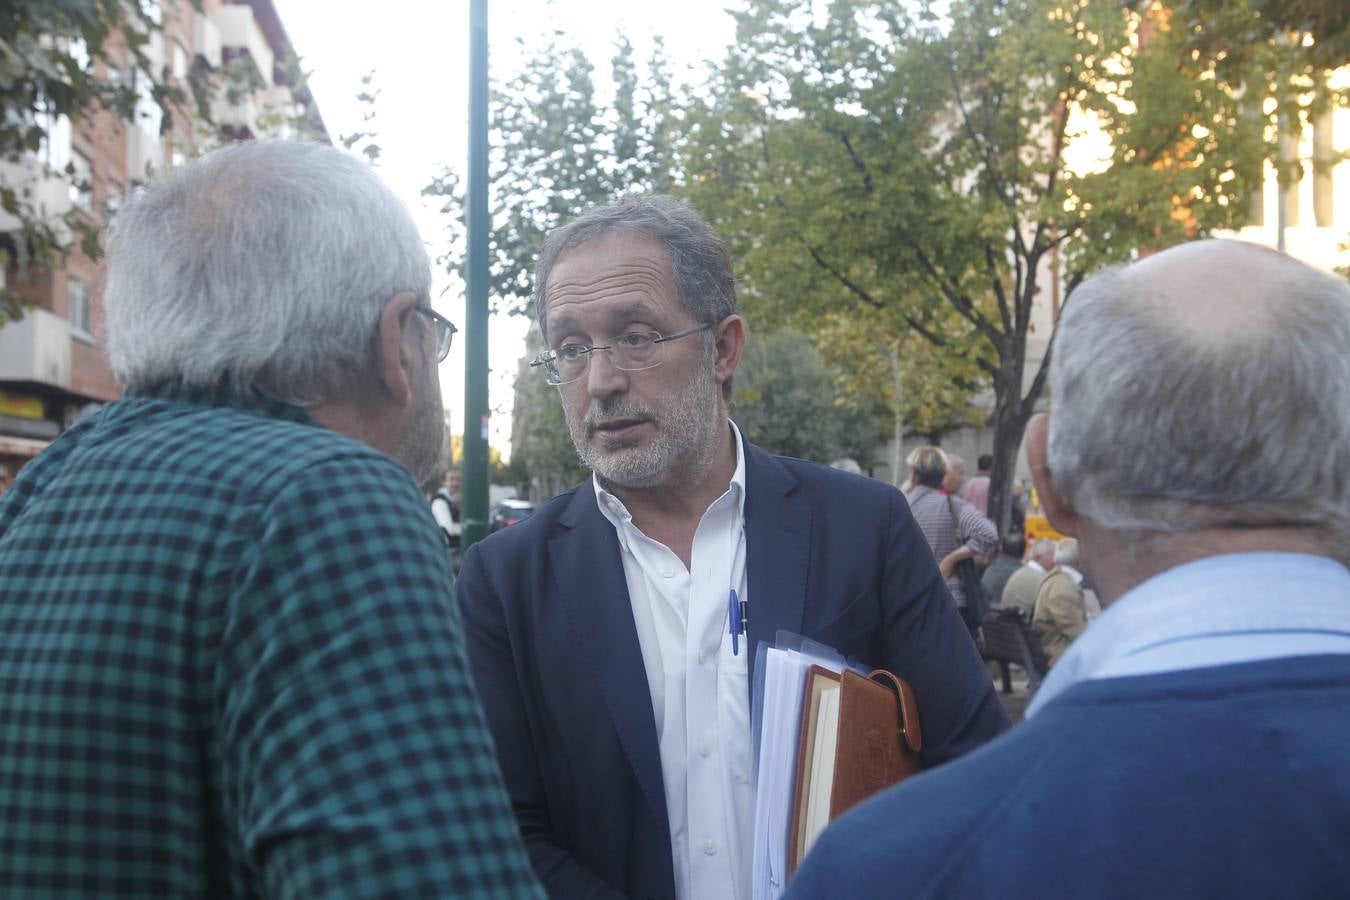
{"x":1009,"y":639}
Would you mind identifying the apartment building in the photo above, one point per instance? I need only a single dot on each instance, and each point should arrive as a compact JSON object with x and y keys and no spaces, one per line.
{"x":52,"y":365}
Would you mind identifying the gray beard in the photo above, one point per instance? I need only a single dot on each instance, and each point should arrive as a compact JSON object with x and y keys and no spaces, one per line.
{"x":420,"y":445}
{"x":682,"y":450}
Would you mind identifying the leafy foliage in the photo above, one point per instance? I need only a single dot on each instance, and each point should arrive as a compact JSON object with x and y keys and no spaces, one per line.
{"x":788,"y":400}
{"x":57,"y":60}
{"x":558,"y":146}
{"x":917,"y":170}
{"x":1235,"y":30}
{"x":363,"y":139}
{"x":542,"y":456}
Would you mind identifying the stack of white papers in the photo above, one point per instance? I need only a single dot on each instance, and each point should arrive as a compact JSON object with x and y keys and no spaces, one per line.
{"x":779,"y":711}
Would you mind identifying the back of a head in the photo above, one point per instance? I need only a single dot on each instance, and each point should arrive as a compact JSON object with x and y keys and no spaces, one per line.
{"x":1043,"y":551}
{"x":1014,"y":545}
{"x":1066,"y":552}
{"x":259,"y":269}
{"x":1205,"y":387}
{"x":930,"y":465}
{"x":847,"y":464}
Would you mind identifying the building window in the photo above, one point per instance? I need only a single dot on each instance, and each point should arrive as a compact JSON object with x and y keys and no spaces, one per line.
{"x":79,"y":314}
{"x":1324,"y":161}
{"x":81,"y":182}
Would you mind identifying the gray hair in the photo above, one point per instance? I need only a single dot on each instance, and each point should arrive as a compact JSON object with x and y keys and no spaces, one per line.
{"x":261,"y":268}
{"x":1043,"y":547}
{"x":1157,"y":428}
{"x":698,"y":257}
{"x":1066,"y":552}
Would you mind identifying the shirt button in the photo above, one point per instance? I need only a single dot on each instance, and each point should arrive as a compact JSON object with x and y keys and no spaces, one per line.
{"x":667,"y":573}
{"x":704,"y":749}
{"x":702,"y":655}
{"x":710,"y":848}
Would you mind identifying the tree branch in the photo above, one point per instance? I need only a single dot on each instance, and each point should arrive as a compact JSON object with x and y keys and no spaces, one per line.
{"x":997,"y":279}
{"x":962,"y":303}
{"x":1028,"y":403}
{"x":858,"y":165}
{"x":866,"y":296}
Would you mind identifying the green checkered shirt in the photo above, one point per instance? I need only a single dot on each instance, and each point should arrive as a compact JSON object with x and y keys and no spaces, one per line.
{"x":230,"y":666}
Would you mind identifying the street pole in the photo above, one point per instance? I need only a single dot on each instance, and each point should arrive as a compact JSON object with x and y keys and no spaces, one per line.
{"x":475,"y":463}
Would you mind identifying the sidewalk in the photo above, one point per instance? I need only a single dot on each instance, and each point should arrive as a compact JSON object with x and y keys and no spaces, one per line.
{"x":1016,"y":702}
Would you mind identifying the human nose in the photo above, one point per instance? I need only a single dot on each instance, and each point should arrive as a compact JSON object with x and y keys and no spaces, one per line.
{"x":603,"y":378}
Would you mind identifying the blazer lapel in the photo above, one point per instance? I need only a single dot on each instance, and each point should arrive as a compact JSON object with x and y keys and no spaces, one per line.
{"x":777,"y":549}
{"x":588,"y":569}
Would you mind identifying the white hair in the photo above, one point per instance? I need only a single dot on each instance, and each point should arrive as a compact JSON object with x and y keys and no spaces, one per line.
{"x":1159,"y":426}
{"x":1066,"y":552}
{"x":262,"y":268}
{"x":1042,"y":548}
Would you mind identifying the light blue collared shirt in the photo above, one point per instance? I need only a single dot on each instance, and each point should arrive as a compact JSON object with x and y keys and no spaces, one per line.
{"x":1242,"y":607}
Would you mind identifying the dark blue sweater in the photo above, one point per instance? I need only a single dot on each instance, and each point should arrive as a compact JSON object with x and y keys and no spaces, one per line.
{"x":1222,"y":782}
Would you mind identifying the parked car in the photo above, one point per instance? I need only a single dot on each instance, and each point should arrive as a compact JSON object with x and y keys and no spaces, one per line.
{"x":509,"y":512}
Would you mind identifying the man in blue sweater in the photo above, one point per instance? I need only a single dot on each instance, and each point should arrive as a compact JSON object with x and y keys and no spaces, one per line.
{"x":1193,"y":742}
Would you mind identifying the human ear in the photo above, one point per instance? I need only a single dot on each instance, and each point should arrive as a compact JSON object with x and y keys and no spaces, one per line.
{"x":730,"y":336}
{"x":394,"y":364}
{"x":1063,"y":517}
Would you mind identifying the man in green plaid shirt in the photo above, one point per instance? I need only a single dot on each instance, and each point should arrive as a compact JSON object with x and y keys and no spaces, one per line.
{"x":230,"y":664}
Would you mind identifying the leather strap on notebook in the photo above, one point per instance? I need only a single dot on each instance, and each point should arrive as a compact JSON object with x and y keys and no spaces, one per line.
{"x":909,"y":707}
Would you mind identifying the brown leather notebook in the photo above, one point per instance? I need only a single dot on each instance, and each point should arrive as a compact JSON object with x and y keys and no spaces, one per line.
{"x":858,"y":736}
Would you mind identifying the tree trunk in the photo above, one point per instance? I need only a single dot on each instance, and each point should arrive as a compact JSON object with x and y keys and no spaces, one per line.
{"x":897,"y":455}
{"x":1011,"y":414}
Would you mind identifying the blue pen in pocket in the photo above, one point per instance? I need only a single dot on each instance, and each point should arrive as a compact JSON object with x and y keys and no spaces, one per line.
{"x":734,"y":620}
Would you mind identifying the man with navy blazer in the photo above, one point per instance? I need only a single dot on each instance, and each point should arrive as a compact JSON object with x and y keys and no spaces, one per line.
{"x":599,"y":630}
{"x":1192,"y":741}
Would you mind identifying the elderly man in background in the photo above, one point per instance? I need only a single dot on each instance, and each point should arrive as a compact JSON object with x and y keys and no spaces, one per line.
{"x":955,"y":530}
{"x":1193,"y":741}
{"x":995,"y":579}
{"x":1020,"y":591}
{"x":221,"y":676}
{"x":1059,"y":615}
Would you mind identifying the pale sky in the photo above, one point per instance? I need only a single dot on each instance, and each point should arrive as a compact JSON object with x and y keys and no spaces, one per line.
{"x":420,"y":54}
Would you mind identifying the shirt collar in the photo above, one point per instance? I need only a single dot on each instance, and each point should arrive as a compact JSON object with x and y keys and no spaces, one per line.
{"x":614,"y":510}
{"x":1037,"y":566}
{"x":1073,"y":573}
{"x":1235,"y":608}
{"x":222,"y":395}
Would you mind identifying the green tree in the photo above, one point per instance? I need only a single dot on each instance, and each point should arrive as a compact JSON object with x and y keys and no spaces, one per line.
{"x":1279,"y":55}
{"x":55,"y":60}
{"x":1232,"y":32}
{"x":789,"y":401}
{"x":559,"y":144}
{"x":363,"y":140}
{"x":918,"y":167}
{"x":542,"y":455}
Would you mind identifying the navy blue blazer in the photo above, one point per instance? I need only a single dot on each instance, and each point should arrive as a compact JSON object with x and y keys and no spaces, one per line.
{"x":832,"y":556}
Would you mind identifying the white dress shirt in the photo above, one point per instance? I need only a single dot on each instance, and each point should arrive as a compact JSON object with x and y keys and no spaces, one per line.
{"x":1223,"y":610}
{"x":700,"y":690}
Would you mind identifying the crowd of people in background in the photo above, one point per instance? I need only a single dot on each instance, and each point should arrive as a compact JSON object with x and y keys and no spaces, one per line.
{"x":1041,"y":581}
